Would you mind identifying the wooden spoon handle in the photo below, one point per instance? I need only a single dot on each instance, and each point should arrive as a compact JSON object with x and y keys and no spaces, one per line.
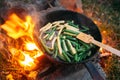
{"x":108,"y":48}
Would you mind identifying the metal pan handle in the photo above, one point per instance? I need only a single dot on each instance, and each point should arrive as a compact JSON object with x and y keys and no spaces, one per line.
{"x":93,"y":71}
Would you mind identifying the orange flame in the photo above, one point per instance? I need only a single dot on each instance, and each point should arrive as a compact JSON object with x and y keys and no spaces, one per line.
{"x":28,"y":52}
{"x":16,"y":27}
{"x":28,"y":61}
{"x":31,"y":46}
{"x":101,"y":49}
{"x":31,"y":56}
{"x":98,"y":23}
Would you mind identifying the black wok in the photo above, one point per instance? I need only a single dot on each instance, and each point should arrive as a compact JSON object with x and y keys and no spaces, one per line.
{"x":80,"y":20}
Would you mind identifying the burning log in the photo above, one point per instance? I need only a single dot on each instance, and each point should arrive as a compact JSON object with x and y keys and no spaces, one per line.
{"x":3,"y":47}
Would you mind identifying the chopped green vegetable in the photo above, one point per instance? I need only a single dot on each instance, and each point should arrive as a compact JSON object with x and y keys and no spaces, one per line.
{"x":59,"y":45}
{"x":71,"y":48}
{"x":70,"y":34}
{"x":67,"y":58}
{"x":85,"y":28}
{"x":61,"y":35}
{"x":71,"y":31}
{"x":55,"y":51}
{"x":51,"y":34}
{"x":64,"y":46}
{"x":71,"y":23}
{"x":71,"y":38}
{"x":61,"y":57}
{"x":76,"y":57}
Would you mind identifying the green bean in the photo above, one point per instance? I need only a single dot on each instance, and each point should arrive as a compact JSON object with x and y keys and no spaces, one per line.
{"x":81,"y":53}
{"x":64,"y":45}
{"x":81,"y":30}
{"x":89,"y":53}
{"x":70,"y":31}
{"x":81,"y":58}
{"x":50,"y":34}
{"x":85,"y":28}
{"x":76,"y":57}
{"x":70,"y":34}
{"x":85,"y":44}
{"x":67,"y":58}
{"x":65,"y":48}
{"x":45,"y":47}
{"x":70,"y":38}
{"x":61,"y":57}
{"x":79,"y":46}
{"x":68,"y":53}
{"x":70,"y":47}
{"x":81,"y":50}
{"x":56,"y":51}
{"x":59,"y":45}
{"x":84,"y":56}
{"x":72,"y":24}
{"x":74,"y":43}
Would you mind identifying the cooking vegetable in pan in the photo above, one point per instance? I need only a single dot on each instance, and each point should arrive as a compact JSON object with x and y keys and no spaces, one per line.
{"x":59,"y":40}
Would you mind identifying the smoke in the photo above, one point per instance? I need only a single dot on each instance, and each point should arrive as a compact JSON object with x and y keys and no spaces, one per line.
{"x":37,"y":7}
{"x":18,"y":7}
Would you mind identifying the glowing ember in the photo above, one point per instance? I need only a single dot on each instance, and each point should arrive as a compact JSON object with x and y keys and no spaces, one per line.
{"x":98,"y":23}
{"x":31,"y":46}
{"x":23,"y":50}
{"x":28,"y":61}
{"x":104,"y":32}
{"x":101,"y":50}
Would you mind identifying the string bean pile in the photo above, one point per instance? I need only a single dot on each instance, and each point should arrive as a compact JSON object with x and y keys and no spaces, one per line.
{"x":59,"y":40}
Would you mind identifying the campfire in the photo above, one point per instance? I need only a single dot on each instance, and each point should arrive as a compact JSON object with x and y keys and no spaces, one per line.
{"x":23,"y":50}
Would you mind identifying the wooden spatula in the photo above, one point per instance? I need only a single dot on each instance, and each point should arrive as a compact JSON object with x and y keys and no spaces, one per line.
{"x":89,"y":39}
